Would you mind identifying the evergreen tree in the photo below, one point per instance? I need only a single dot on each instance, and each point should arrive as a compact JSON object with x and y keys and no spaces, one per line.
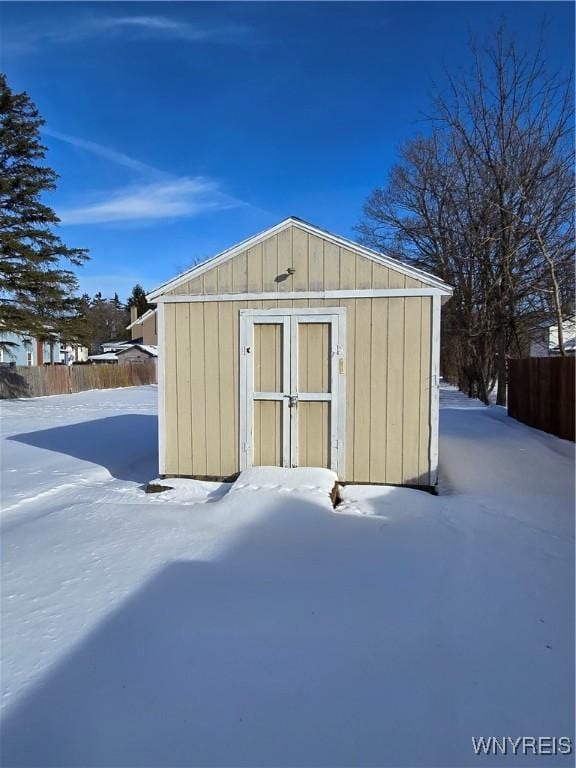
{"x":36,"y":291}
{"x":138,"y":299}
{"x":106,"y":322}
{"x":77,"y":328}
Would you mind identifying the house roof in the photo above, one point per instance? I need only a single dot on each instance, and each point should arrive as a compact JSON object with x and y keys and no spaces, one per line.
{"x":104,"y":356}
{"x":115,"y":343}
{"x":293,"y":221}
{"x":149,"y":349}
{"x":142,"y":318}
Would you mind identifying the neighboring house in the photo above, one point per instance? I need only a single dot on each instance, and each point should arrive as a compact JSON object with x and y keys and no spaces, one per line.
{"x":127,"y":354}
{"x":143,"y":329}
{"x":300,"y":348}
{"x":137,"y":354}
{"x":544,"y":339}
{"x":569,"y":334}
{"x":539,"y":342}
{"x":73,"y":353}
{"x":27,"y":350}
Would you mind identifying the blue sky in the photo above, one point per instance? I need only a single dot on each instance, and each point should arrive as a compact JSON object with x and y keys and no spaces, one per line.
{"x":179,"y":129}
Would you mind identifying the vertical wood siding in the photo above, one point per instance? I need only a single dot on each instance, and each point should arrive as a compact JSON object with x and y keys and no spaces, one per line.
{"x":267,"y":433}
{"x":387,"y":363}
{"x":268,"y":358}
{"x":320,"y":265}
{"x":313,"y":434}
{"x":313,"y":357}
{"x":387,"y":391}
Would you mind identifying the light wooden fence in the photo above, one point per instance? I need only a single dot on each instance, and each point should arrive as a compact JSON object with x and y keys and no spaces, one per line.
{"x":34,"y":381}
{"x":541,"y":393}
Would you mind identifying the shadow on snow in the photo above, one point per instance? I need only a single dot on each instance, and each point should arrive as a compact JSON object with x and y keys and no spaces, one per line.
{"x":127,"y":446}
{"x":297,"y":647}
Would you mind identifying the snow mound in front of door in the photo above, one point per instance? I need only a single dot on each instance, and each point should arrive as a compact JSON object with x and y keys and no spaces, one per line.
{"x":284,"y":480}
{"x":185,"y":490}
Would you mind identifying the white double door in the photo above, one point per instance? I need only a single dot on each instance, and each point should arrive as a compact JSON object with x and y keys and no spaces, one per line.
{"x":292,"y":387}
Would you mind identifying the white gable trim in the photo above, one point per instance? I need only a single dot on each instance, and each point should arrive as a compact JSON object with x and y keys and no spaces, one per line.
{"x":139,"y":320}
{"x":349,"y":245}
{"x":357,"y":293}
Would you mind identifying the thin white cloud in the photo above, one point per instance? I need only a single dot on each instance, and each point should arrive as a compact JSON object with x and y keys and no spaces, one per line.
{"x":161,"y":24}
{"x":158,"y":195}
{"x":28,"y":38}
{"x":119,"y":158}
{"x":177,"y":198}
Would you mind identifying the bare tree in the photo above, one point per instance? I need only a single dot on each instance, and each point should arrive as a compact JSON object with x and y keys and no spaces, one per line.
{"x":485,"y":201}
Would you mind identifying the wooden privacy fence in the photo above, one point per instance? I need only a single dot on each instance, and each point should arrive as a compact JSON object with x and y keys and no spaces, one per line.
{"x":22,"y":381}
{"x":541,"y":393}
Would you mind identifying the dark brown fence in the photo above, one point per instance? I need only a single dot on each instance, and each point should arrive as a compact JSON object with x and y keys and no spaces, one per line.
{"x":21,"y":381}
{"x":541,"y":393}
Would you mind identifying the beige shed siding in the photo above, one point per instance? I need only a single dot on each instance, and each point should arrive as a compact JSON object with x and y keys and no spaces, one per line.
{"x":319,"y":264}
{"x":387,"y":383}
{"x":198,"y":390}
{"x":171,"y":341}
{"x":226,"y":351}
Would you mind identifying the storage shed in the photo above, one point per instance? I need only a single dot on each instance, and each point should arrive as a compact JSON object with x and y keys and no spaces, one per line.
{"x":300,"y":348}
{"x":137,"y":354}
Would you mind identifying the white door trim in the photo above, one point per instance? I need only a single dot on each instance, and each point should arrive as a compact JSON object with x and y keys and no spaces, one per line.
{"x":434,"y":390}
{"x":246,"y":410}
{"x":161,"y":376}
{"x":290,"y":318}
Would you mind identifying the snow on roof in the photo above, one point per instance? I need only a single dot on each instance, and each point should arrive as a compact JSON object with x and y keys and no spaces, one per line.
{"x":117,"y":343}
{"x":104,"y":356}
{"x":149,"y":349}
{"x":569,"y":346}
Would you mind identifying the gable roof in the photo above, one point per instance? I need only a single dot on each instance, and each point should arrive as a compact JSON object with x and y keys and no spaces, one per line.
{"x":293,"y":221}
{"x":104,"y":356}
{"x":114,"y":343}
{"x":149,"y":349}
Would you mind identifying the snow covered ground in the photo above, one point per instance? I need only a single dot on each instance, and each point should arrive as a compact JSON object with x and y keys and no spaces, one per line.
{"x":202,"y":627}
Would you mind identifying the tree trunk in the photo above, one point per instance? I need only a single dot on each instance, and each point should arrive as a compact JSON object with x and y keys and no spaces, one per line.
{"x":501,"y":371}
